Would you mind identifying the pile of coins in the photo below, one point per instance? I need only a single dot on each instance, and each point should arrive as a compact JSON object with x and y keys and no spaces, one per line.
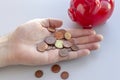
{"x":55,"y":69}
{"x":59,"y":39}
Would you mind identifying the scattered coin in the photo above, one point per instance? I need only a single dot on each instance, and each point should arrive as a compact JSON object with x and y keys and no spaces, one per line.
{"x":42,"y":46}
{"x":64,"y":75}
{"x":63,"y":52}
{"x":58,"y":35}
{"x":67,"y":44}
{"x":55,"y":68}
{"x":50,"y":40}
{"x":67,"y":35}
{"x":74,"y":47}
{"x":51,"y":29}
{"x":59,"y":44}
{"x":39,"y":73}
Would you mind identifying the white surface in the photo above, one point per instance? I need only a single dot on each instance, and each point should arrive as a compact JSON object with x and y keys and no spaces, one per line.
{"x":103,"y":64}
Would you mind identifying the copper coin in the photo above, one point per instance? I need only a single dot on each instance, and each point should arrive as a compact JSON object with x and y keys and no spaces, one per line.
{"x":74,"y":47}
{"x":59,"y":44}
{"x":67,"y":35}
{"x":64,"y":75}
{"x":67,"y":44}
{"x":51,"y":29}
{"x":42,"y":46}
{"x":69,"y":49}
{"x":63,"y":52}
{"x":50,"y":40}
{"x":39,"y":73}
{"x":58,"y":35}
{"x":62,"y":30}
{"x":55,"y":68}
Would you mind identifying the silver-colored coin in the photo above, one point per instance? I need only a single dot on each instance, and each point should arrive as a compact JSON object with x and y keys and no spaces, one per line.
{"x":67,"y":44}
{"x":50,"y":40}
{"x":63,"y":52}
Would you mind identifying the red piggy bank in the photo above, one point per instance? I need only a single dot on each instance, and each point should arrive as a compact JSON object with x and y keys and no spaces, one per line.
{"x":90,"y":13}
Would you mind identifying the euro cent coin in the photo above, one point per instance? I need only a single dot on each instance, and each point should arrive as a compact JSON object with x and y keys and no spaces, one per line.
{"x":59,"y":44}
{"x":50,"y":40}
{"x":64,"y":75}
{"x":63,"y":52}
{"x":42,"y":46}
{"x":67,"y":35}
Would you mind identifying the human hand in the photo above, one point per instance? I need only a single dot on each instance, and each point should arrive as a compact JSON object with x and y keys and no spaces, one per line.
{"x":23,"y":41}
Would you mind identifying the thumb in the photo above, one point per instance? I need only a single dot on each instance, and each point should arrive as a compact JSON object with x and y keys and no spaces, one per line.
{"x":51,"y":22}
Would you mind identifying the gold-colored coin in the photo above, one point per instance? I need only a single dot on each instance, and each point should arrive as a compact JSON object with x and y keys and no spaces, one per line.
{"x":68,"y":35}
{"x":59,"y":44}
{"x":51,"y":29}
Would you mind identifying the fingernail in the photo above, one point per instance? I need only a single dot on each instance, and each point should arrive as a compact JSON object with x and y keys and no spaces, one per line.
{"x":93,"y":31}
{"x":100,"y":37}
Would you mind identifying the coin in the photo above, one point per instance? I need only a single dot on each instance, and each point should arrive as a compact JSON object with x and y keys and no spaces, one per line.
{"x":62,"y":30}
{"x":55,"y":68}
{"x":67,"y":44}
{"x":58,"y":35}
{"x":51,"y":29}
{"x":49,"y":48}
{"x":67,"y":35}
{"x":69,"y":49}
{"x":39,"y":73}
{"x":42,"y":46}
{"x":64,"y":75}
{"x":63,"y":52}
{"x":50,"y":40}
{"x":74,"y":47}
{"x":59,"y":44}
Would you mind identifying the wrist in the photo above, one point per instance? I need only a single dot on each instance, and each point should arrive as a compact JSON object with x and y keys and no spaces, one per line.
{"x":4,"y":51}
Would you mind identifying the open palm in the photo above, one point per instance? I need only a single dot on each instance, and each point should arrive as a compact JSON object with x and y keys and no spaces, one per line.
{"x":23,"y":42}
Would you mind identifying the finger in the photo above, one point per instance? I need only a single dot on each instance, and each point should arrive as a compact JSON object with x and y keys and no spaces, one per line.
{"x":49,"y":22}
{"x":81,"y":32}
{"x":88,"y":39}
{"x":75,"y":54}
{"x":90,"y":46}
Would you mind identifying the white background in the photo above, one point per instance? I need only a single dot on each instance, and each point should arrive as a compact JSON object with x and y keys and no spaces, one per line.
{"x":103,"y":64}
